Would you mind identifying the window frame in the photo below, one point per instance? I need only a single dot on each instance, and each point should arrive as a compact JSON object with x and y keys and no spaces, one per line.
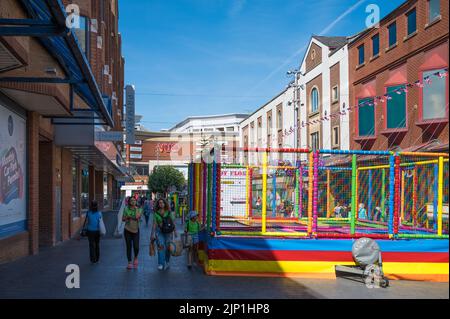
{"x":334,"y":144}
{"x":394,"y":23}
{"x":385,"y":111}
{"x":312,"y":111}
{"x":363,"y":55}
{"x":421,"y":121}
{"x":87,"y":36}
{"x":437,"y":18}
{"x":378,"y":53}
{"x":333,"y":99}
{"x":407,"y":14}
{"x":375,"y":133}
{"x":318,"y":140}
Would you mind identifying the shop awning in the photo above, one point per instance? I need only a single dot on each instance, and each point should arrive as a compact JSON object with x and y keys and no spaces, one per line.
{"x":47,"y":22}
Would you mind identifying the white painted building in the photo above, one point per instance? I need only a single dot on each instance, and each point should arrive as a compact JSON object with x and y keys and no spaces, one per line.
{"x":228,"y":123}
{"x":272,"y":125}
{"x":324,"y":90}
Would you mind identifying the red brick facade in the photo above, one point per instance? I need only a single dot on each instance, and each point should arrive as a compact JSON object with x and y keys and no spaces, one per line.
{"x":402,"y":63}
{"x":49,"y":168}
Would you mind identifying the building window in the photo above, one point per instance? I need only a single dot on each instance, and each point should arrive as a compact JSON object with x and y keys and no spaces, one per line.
{"x":396,"y":107}
{"x":279,"y":120}
{"x":336,"y":136}
{"x":314,"y":100}
{"x":259,"y":133}
{"x":375,"y":45}
{"x":315,"y":141}
{"x":366,"y":117}
{"x":208,"y":130}
{"x":412,"y":23}
{"x":82,"y":34}
{"x":434,"y":99}
{"x":84,"y":195}
{"x":335,"y":93}
{"x":361,"y":54}
{"x":434,"y":10}
{"x":230,"y":129}
{"x":392,"y":29}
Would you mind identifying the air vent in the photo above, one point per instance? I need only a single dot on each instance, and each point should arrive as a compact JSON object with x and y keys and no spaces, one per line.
{"x":7,"y":60}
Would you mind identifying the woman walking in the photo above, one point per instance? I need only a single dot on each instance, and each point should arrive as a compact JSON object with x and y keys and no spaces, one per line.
{"x":131,"y":217}
{"x":93,"y":217}
{"x":163,"y":230}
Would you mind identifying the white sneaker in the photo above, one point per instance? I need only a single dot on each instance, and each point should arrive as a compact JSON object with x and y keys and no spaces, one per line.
{"x":167,"y":265}
{"x":160,"y":267}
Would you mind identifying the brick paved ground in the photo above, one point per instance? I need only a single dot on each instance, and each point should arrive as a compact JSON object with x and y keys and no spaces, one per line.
{"x":43,"y":276}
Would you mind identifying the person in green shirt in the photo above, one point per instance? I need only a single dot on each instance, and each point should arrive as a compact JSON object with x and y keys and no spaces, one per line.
{"x":163,"y":231}
{"x":192,"y":229}
{"x":131,"y":216}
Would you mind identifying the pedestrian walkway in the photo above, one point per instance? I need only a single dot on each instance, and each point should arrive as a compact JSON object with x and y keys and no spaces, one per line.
{"x":43,"y":276}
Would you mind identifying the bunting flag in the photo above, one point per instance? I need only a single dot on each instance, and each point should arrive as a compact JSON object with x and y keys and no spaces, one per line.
{"x":383,"y":98}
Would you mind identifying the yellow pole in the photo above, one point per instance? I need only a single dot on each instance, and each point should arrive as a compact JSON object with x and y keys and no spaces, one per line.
{"x":403,"y":197}
{"x":310,"y":192}
{"x":264,"y":192}
{"x":247,"y":192}
{"x":440,"y":193}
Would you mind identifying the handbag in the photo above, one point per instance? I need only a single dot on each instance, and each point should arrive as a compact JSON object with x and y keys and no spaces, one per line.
{"x":83,"y":232}
{"x":102,"y":226}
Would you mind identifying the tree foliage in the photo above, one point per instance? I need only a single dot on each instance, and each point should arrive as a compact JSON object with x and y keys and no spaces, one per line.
{"x":163,"y":178}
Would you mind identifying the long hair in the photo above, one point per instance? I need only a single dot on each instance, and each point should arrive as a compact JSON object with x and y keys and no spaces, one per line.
{"x":94,"y":206}
{"x":166,"y":204}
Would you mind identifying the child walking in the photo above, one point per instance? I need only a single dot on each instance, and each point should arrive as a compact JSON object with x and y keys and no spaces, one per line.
{"x":192,"y":229}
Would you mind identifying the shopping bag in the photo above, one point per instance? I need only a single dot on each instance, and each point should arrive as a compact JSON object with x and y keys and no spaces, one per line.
{"x":186,"y":240}
{"x":102,"y":227}
{"x":176,"y":247}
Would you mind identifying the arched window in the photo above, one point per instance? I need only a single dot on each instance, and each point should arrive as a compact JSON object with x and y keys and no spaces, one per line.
{"x":314,"y":100}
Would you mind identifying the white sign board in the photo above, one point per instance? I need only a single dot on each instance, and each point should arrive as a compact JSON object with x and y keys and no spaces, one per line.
{"x":130,"y":104}
{"x":233,"y":192}
{"x":13,"y":191}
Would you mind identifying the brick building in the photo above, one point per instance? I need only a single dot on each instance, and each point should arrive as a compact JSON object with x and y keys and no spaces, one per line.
{"x":394,"y":110}
{"x":61,"y":93}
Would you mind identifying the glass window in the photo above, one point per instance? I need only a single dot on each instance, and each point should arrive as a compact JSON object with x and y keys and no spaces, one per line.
{"x":84,"y":188}
{"x":392,"y":34}
{"x":412,"y":24}
{"x":314,"y":100}
{"x":335,"y":93}
{"x":396,"y":107}
{"x":82,"y":34}
{"x":315,"y":141}
{"x":434,"y":10}
{"x":230,"y":129}
{"x":279,"y":120}
{"x":434,"y":99}
{"x":366,"y":117}
{"x":336,"y":136}
{"x":375,"y":45}
{"x":361,"y":54}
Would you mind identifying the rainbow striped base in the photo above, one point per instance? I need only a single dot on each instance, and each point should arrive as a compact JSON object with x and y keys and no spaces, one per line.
{"x":415,"y":259}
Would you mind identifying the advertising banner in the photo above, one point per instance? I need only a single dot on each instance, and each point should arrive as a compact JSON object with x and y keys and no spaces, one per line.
{"x":13,"y":206}
{"x":233,"y":192}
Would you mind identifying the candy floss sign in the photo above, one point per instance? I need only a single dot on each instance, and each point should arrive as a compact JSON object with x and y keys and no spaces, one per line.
{"x":12,"y":173}
{"x":233,"y":190}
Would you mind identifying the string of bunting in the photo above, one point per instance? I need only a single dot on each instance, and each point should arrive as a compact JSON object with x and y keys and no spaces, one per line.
{"x":380,"y":98}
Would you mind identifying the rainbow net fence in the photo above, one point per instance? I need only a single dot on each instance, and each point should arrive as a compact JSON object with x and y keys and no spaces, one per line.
{"x":322,"y":194}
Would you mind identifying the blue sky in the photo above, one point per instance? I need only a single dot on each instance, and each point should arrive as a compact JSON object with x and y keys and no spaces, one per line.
{"x":203,"y":57}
